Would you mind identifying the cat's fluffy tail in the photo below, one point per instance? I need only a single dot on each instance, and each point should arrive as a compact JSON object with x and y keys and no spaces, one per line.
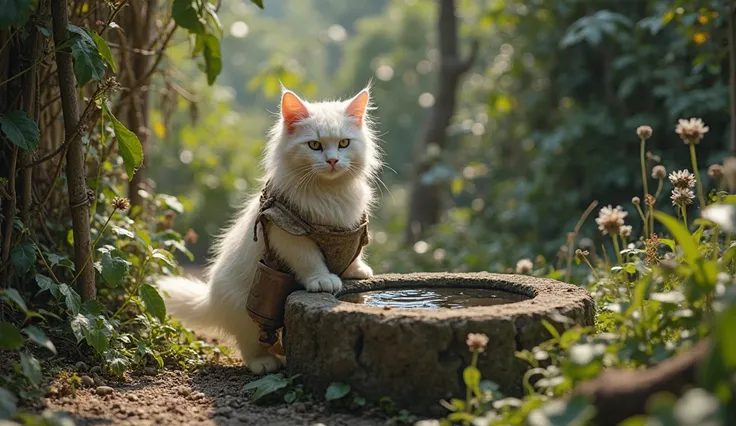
{"x":188,"y":300}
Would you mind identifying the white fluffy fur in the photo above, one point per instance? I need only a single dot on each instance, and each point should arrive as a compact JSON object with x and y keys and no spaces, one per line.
{"x":324,"y":194}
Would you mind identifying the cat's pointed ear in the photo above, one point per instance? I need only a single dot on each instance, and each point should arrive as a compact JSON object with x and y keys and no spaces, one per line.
{"x":292,"y":109}
{"x":358,"y":106}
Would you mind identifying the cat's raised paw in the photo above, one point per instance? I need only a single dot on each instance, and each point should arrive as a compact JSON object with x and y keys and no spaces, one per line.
{"x":358,"y":270}
{"x":264,"y":364}
{"x":329,"y":283}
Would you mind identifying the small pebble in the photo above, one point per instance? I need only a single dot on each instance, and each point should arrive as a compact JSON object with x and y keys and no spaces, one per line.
{"x":81,"y":367}
{"x":150,"y":371}
{"x":224,"y":411}
{"x":196,"y":395}
{"x":95,"y":370}
{"x":104,"y":390}
{"x":87,"y":381}
{"x":183,"y":391}
{"x":99,"y":382}
{"x":116,"y":406}
{"x":300,"y":407}
{"x":282,"y":411}
{"x":132,"y":397}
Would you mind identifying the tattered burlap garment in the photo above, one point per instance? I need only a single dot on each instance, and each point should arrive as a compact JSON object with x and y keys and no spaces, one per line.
{"x":274,"y":280}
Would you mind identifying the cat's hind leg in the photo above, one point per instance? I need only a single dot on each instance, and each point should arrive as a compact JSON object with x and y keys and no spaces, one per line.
{"x":256,"y":357}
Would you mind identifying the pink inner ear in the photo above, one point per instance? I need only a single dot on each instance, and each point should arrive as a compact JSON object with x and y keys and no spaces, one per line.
{"x":292,"y":109}
{"x":358,"y":106}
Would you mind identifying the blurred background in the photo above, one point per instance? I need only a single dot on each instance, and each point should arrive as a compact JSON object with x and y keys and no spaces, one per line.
{"x":543,"y":98}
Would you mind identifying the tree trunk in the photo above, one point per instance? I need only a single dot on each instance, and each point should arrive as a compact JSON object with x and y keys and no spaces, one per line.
{"x":75,"y":167}
{"x":425,"y":201}
{"x":141,"y":28}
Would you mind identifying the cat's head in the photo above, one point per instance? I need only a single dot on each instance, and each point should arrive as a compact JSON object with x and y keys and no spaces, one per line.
{"x":323,"y":141}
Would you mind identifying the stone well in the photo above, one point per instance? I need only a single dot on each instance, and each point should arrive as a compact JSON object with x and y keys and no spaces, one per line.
{"x":415,"y":356}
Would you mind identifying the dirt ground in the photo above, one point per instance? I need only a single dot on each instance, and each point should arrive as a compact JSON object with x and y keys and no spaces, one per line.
{"x":213,"y":395}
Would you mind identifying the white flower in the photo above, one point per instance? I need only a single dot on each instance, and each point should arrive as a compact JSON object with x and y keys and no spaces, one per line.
{"x":610,"y":219}
{"x":682,"y":179}
{"x":691,"y":131}
{"x":524,"y":266}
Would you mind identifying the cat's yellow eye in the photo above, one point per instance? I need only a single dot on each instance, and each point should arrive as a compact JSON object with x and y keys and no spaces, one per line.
{"x":344,"y":143}
{"x":315,"y":145}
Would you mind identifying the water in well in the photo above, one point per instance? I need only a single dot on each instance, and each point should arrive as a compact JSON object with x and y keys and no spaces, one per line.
{"x":433,"y":298}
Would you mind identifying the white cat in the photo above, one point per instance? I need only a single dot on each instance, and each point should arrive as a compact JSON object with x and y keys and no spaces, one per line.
{"x":322,"y":158}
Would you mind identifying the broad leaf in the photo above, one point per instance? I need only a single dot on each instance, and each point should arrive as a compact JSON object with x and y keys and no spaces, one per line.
{"x":23,"y":257}
{"x":337,"y":390}
{"x":71,"y":298}
{"x":212,"y":58}
{"x":47,"y":284}
{"x":15,"y":13}
{"x":128,"y":143}
{"x":116,"y":361}
{"x":13,"y":295}
{"x":20,"y":129}
{"x":31,"y":367}
{"x":104,"y":50}
{"x":10,"y":337}
{"x":37,"y":336}
{"x":471,"y":376}
{"x":96,"y":338}
{"x":80,"y":324}
{"x":8,"y":404}
{"x":114,"y":268}
{"x":186,"y":15}
{"x":153,"y":302}
{"x":88,"y":63}
{"x":93,"y":307}
{"x":266,"y":385}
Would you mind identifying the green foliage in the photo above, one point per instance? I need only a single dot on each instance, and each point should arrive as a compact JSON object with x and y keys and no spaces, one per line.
{"x":15,"y":12}
{"x":104,"y":50}
{"x":128,"y":143}
{"x":200,"y":19}
{"x":337,"y":390}
{"x":20,"y":129}
{"x":272,"y":385}
{"x":89,"y":64}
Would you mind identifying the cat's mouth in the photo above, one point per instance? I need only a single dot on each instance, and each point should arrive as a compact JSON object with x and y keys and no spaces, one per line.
{"x":332,"y":172}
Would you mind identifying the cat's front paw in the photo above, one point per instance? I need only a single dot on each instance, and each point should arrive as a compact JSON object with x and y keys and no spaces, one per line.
{"x":329,"y":283}
{"x":358,"y":270}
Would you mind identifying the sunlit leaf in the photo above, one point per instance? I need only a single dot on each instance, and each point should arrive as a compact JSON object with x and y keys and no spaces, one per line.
{"x":88,"y":63}
{"x":186,"y":15}
{"x":38,"y":337}
{"x":128,"y":143}
{"x":104,"y":50}
{"x":114,"y":268}
{"x":153,"y":301}
{"x":212,"y":57}
{"x":266,"y":385}
{"x":12,"y":294}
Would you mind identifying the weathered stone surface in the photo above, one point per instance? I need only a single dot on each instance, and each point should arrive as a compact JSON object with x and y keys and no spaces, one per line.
{"x":417,"y":356}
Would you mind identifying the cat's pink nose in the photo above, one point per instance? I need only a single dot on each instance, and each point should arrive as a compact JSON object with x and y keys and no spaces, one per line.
{"x":332,"y":161}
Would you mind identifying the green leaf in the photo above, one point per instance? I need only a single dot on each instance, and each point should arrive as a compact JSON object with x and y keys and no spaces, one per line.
{"x":31,"y":367}
{"x":114,"y":268}
{"x":128,"y":143}
{"x":337,"y":390}
{"x":23,"y":257}
{"x":93,"y":307}
{"x":258,"y":3}
{"x":552,"y":330}
{"x":116,"y":361}
{"x":46,"y":284}
{"x":80,"y":324}
{"x":681,"y":234}
{"x":727,"y":343}
{"x":104,"y":50}
{"x":212,"y":58}
{"x":153,"y":302}
{"x":13,"y":295}
{"x":88,"y":63}
{"x":10,"y":337}
{"x":97,"y":339}
{"x":186,"y":15}
{"x":15,"y":13}
{"x":71,"y":299}
{"x":164,"y":256}
{"x":471,"y":376}
{"x":8,"y":401}
{"x":266,"y":385}
{"x":20,"y":129}
{"x":37,"y":336}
